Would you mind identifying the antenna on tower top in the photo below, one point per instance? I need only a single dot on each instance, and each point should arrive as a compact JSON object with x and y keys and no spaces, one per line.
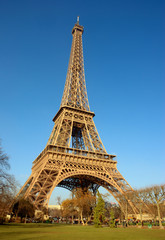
{"x":78,"y":20}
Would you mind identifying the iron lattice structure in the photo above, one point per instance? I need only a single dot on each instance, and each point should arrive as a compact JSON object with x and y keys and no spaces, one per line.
{"x":74,"y":155}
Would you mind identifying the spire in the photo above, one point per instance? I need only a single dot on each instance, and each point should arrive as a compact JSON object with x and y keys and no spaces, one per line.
{"x":75,"y":93}
{"x":78,"y":20}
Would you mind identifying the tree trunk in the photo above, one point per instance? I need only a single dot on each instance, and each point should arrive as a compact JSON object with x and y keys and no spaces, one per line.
{"x":141,"y":215}
{"x":87,"y":220}
{"x":78,"y":219}
{"x":81,"y":215}
{"x":25,"y":218}
{"x":126,"y":214}
{"x":160,"y":222}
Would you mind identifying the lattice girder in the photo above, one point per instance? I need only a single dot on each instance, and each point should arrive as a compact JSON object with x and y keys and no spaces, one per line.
{"x":74,"y":155}
{"x":75,"y":94}
{"x":61,"y":165}
{"x":65,"y":122}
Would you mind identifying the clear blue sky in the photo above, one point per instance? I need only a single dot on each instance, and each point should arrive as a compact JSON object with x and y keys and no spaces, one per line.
{"x":124,"y":55}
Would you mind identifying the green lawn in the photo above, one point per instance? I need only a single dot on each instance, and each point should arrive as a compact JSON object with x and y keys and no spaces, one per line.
{"x":68,"y":232}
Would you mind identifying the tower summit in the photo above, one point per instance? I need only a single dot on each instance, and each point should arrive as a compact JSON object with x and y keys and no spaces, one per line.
{"x":75,"y":94}
{"x":74,"y":156}
{"x":74,"y":126}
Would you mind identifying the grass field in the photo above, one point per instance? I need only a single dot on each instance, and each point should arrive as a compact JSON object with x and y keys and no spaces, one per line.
{"x":68,"y":232}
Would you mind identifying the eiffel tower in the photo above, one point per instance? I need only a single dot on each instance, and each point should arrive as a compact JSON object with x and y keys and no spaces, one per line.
{"x":74,"y":155}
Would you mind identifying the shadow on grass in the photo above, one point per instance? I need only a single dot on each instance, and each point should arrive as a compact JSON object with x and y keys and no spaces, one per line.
{"x":34,"y":225}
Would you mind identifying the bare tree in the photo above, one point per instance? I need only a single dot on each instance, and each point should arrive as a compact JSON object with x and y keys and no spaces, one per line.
{"x":155,"y":196}
{"x":54,"y":212}
{"x":7,"y":185}
{"x":59,"y":201}
{"x":85,"y":202}
{"x":124,"y":205}
{"x":116,"y":210}
{"x":69,"y":209}
{"x":134,"y":202}
{"x":81,"y":204}
{"x":23,"y":208}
